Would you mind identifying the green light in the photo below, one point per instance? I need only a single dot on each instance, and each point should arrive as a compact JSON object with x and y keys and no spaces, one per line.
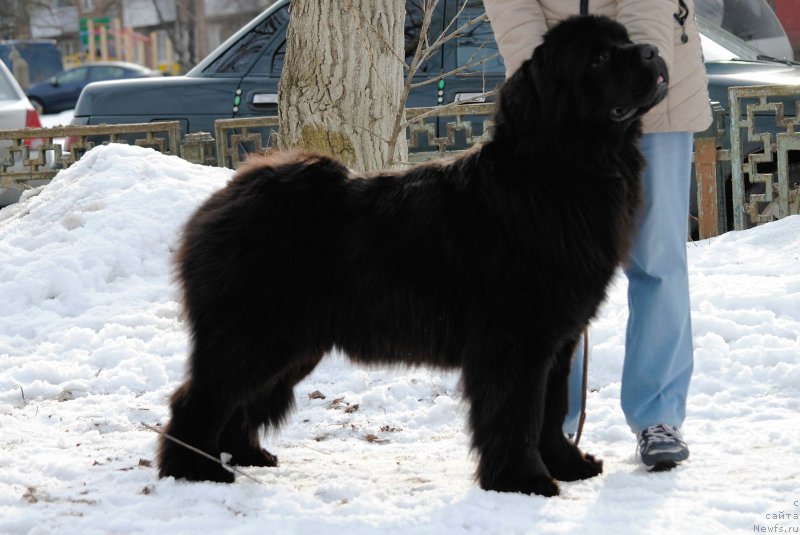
{"x":441,"y":84}
{"x":236,"y":100}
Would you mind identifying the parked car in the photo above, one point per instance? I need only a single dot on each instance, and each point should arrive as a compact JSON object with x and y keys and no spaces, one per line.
{"x":61,"y":92}
{"x":15,"y":112}
{"x":240,"y":78}
{"x":42,"y":56}
{"x":753,"y":21}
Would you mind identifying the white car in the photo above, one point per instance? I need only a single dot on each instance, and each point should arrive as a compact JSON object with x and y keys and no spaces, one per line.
{"x":15,"y":112}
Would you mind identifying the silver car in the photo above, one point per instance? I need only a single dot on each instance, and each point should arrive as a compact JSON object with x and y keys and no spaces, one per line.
{"x":15,"y":112}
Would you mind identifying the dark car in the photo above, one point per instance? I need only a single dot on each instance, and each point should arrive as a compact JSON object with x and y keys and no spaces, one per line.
{"x":61,"y":91}
{"x":240,"y":78}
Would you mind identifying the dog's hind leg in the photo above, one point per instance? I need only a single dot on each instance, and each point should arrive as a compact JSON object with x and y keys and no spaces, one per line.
{"x":563,"y":458}
{"x":506,"y":392}
{"x":241,"y":435}
{"x":226,"y":372}
{"x":198,"y":413}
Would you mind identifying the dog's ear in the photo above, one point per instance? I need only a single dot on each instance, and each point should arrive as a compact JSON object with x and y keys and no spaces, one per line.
{"x":520,"y":96}
{"x":539,"y":64}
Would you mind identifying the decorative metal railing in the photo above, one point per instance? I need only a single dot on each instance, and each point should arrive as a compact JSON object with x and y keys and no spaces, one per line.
{"x":759,"y":115}
{"x":759,"y":134}
{"x":39,"y":153}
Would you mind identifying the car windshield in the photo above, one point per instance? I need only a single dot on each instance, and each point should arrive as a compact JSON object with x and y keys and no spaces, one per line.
{"x":720,"y":45}
{"x":747,"y":19}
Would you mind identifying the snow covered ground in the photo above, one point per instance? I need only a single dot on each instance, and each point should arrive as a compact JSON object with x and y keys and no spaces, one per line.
{"x":92,"y":344}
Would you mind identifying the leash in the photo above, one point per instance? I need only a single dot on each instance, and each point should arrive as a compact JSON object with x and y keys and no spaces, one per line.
{"x":584,"y":385}
{"x":200,"y":452}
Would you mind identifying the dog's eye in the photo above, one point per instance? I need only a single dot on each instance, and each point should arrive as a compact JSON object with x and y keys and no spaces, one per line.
{"x":600,"y":60}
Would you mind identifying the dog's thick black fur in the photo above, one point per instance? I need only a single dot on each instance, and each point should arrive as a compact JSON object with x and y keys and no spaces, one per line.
{"x":492,"y":263}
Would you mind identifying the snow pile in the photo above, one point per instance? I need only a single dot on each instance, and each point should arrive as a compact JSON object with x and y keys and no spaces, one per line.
{"x":92,"y":344}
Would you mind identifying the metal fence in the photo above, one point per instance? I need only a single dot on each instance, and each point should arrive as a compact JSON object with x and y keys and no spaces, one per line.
{"x":764,"y":185}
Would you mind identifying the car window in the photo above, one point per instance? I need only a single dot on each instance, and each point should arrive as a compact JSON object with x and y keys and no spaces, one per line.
{"x":273,"y":63}
{"x":270,"y":63}
{"x":720,"y":45}
{"x":6,"y":88}
{"x":413,"y":28}
{"x":240,"y":57}
{"x":746,"y":19}
{"x":74,"y":76}
{"x":477,"y":47}
{"x":105,"y":72}
{"x":751,"y":20}
{"x":278,"y":57}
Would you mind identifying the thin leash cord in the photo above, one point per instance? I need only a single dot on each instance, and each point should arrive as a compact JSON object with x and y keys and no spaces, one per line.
{"x":189,"y":447}
{"x":584,"y":385}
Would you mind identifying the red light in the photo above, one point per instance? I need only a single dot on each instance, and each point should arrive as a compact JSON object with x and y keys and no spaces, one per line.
{"x":32,"y":121}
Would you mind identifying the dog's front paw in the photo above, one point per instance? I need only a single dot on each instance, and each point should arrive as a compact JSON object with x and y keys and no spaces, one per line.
{"x":527,"y":477}
{"x":583,"y":466}
{"x":540,"y":484}
{"x":254,"y":457}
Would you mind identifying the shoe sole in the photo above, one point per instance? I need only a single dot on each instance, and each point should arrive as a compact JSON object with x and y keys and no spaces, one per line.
{"x":664,"y":466}
{"x":664,"y":461}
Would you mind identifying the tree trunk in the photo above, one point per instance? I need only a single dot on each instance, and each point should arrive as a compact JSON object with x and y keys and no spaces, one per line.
{"x":342,"y":79}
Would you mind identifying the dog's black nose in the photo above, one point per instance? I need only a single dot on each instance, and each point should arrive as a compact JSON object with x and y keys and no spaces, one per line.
{"x":648,"y":52}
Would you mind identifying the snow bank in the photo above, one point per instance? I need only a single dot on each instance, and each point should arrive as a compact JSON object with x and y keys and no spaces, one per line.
{"x":92,"y":344}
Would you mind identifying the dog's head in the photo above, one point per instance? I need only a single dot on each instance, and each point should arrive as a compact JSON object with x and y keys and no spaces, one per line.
{"x":588,"y":70}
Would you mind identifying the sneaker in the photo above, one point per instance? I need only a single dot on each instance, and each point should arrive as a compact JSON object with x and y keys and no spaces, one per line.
{"x":662,"y":447}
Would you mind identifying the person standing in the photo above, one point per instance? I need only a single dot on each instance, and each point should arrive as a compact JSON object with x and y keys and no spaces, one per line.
{"x":19,"y":67}
{"x":658,"y":345}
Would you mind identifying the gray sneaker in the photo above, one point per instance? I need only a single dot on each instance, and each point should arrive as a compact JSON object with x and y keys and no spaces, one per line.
{"x":662,"y":447}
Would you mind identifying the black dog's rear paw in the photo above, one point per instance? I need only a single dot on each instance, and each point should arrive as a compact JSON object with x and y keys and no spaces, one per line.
{"x":204,"y":470}
{"x":254,"y":457}
{"x":175,"y":461}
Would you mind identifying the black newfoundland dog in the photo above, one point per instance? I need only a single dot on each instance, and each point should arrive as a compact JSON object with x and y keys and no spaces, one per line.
{"x":492,"y":263}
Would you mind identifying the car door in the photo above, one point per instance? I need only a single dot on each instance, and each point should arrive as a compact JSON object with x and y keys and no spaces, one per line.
{"x":259,"y":88}
{"x":425,"y":85}
{"x":265,"y":50}
{"x":67,"y":88}
{"x":472,"y":57}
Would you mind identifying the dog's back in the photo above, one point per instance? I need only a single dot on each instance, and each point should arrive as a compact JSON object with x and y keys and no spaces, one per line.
{"x":320,"y":257}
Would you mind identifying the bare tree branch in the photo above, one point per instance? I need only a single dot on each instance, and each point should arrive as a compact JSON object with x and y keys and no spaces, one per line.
{"x":448,"y":107}
{"x":458,"y":32}
{"x":458,"y":70}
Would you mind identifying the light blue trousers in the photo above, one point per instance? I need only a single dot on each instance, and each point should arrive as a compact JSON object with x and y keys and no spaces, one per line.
{"x":658,"y":344}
